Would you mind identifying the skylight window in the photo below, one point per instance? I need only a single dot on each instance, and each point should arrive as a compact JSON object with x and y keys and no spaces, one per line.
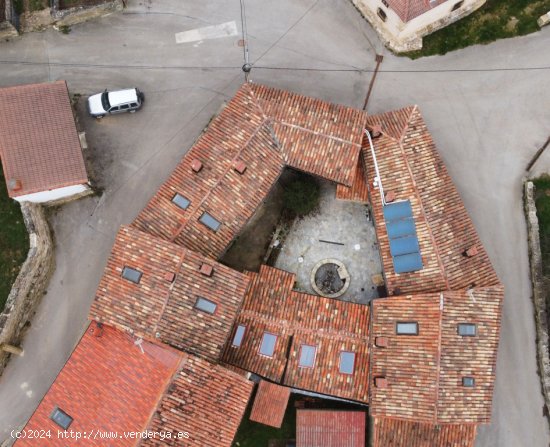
{"x":407,"y":328}
{"x":239,"y":335}
{"x":210,"y":222}
{"x":307,"y":356}
{"x":61,"y":418}
{"x":347,"y":362}
{"x":131,"y":274}
{"x":467,"y":329}
{"x":468,"y":382}
{"x":206,"y":305}
{"x":267,"y":347}
{"x":181,"y":201}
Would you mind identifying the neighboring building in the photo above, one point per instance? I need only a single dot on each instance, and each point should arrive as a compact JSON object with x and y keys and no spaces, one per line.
{"x":329,"y":428}
{"x":401,"y":24}
{"x":39,"y":144}
{"x":423,"y":358}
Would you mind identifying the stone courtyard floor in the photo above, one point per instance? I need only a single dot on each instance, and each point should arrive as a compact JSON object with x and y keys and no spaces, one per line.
{"x":339,"y":230}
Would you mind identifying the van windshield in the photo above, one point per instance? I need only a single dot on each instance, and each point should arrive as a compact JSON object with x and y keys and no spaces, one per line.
{"x":105,"y":101}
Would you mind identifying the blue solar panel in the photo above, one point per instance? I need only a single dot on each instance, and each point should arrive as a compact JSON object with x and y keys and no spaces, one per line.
{"x":400,"y":228}
{"x":397,"y":210}
{"x":404,"y":245}
{"x":407,"y":263}
{"x":403,"y":239}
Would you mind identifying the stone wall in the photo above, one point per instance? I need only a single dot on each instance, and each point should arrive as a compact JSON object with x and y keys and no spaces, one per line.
{"x":31,"y":282}
{"x":401,"y":37}
{"x":541,"y":316}
{"x":72,"y":16}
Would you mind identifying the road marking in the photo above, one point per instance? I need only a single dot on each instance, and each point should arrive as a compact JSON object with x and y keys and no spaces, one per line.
{"x":226,"y":29}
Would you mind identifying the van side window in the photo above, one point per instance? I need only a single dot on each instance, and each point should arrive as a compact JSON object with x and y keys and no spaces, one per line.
{"x":133,"y":104}
{"x":124,"y":107}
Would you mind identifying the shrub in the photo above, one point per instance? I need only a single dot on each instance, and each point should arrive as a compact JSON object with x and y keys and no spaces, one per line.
{"x":301,"y":196}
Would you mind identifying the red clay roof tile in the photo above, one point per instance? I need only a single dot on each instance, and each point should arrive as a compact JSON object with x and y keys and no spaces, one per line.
{"x":162,"y":310}
{"x":97,"y":387}
{"x":39,"y":144}
{"x":297,"y":319}
{"x":270,"y":404}
{"x":331,"y":428}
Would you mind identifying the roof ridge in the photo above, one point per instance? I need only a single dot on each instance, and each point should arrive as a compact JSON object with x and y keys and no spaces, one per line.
{"x":438,"y":364}
{"x":413,"y":108}
{"x":420,"y":202}
{"x":165,"y":304}
{"x":295,"y":126}
{"x":218,"y":181}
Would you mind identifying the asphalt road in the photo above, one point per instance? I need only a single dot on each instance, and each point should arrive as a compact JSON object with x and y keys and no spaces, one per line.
{"x":487,"y":123}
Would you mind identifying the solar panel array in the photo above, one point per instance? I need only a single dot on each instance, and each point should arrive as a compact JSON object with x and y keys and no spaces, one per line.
{"x":401,"y":229}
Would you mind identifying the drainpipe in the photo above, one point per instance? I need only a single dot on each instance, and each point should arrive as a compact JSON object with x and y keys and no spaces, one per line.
{"x":377,"y":179}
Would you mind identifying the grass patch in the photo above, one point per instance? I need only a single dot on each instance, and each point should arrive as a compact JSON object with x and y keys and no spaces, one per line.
{"x":301,"y":195}
{"x":14,"y":241}
{"x":496,"y":19}
{"x":542,"y":202}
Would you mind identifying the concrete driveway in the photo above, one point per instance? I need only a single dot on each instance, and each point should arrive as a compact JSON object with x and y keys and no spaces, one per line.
{"x":486,"y":124}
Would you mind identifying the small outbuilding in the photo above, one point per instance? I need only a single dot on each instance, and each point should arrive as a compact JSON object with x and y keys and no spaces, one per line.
{"x":39,"y":144}
{"x":331,"y":428}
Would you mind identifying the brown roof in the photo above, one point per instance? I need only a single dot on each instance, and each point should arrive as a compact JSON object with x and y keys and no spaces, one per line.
{"x":300,"y":319}
{"x":411,"y":168}
{"x":162,"y":309}
{"x":388,"y":432}
{"x":97,"y":387}
{"x":409,"y":9}
{"x":270,"y":404}
{"x":329,"y":428}
{"x":359,"y":191}
{"x":266,"y":129}
{"x":39,"y":144}
{"x":424,"y":372}
{"x":205,"y":400}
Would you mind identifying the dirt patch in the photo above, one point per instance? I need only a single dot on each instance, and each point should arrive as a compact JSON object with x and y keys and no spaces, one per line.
{"x":250,"y":247}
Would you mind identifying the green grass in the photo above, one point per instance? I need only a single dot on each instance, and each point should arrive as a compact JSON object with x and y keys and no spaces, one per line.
{"x":14,"y":243}
{"x":496,"y":19}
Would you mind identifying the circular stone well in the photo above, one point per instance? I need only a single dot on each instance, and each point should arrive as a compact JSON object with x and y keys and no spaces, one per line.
{"x":330,"y":278}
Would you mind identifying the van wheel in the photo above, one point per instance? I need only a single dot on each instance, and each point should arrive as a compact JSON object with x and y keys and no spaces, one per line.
{"x":98,"y":117}
{"x":132,"y":111}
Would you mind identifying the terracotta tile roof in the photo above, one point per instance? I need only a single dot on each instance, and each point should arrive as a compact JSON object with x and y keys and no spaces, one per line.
{"x":410,"y":9}
{"x":270,"y":404}
{"x":389,"y":432}
{"x":297,"y":319}
{"x":359,"y":191}
{"x":205,"y":400}
{"x":424,"y":372}
{"x":329,"y":428}
{"x":97,"y":387}
{"x":160,"y":309}
{"x":411,"y":168}
{"x":266,"y":129}
{"x":39,"y":144}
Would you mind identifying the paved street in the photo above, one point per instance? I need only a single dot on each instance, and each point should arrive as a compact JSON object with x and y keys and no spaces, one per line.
{"x":487,"y":125}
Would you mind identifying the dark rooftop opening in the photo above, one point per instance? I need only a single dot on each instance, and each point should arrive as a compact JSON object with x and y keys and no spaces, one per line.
{"x":61,"y":418}
{"x":209,"y":221}
{"x":347,"y":362}
{"x":239,"y":335}
{"x":206,"y":305}
{"x":181,"y":201}
{"x":131,"y":274}
{"x":406,"y":328}
{"x":467,"y":329}
{"x":267,"y":347}
{"x":307,"y":356}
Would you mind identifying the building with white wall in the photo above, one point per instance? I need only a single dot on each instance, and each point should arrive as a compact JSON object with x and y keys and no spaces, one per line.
{"x":40,"y":148}
{"x":401,"y":24}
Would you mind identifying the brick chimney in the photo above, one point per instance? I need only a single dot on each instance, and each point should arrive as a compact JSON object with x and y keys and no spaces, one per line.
{"x":380,"y":382}
{"x":14,"y":185}
{"x":381,"y":342}
{"x":196,"y":165}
